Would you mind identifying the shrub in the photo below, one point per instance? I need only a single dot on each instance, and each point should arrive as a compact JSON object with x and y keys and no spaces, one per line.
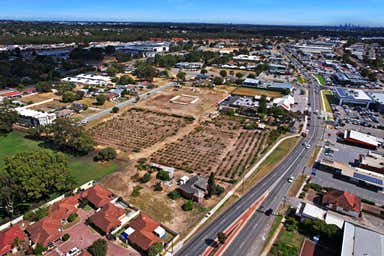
{"x":163,"y":175}
{"x":72,"y":217}
{"x":39,"y":249}
{"x":146,"y":178}
{"x":105,"y":154}
{"x":219,"y":190}
{"x":302,"y":195}
{"x":187,"y":206}
{"x":155,"y":249}
{"x":174,"y":195}
{"x":158,"y":187}
{"x":115,"y":109}
{"x":136,"y":191}
{"x":65,"y":237}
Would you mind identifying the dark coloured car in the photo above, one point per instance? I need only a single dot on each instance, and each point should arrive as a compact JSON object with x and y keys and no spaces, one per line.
{"x":269,"y":212}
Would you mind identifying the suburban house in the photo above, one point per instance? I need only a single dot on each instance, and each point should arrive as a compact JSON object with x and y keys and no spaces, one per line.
{"x":45,"y":231}
{"x":195,"y":188}
{"x":108,"y":218}
{"x":342,"y":202}
{"x":98,"y":196}
{"x":64,"y":208}
{"x":143,"y":232}
{"x":8,"y":237}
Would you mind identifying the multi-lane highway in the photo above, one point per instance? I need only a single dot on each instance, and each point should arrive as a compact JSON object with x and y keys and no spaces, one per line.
{"x":249,"y":241}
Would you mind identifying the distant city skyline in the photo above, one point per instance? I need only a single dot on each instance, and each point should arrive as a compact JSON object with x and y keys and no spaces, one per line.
{"x":271,"y":12}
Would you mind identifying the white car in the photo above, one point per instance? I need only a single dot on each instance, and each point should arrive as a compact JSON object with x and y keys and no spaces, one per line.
{"x":291,"y":179}
{"x":73,"y":252}
{"x":307,"y":146}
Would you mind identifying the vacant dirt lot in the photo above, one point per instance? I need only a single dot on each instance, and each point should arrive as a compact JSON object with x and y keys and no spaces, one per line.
{"x":256,"y":92}
{"x":137,"y":129}
{"x":208,"y":99}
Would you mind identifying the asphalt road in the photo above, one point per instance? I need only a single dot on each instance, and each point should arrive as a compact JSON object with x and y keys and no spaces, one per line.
{"x":126,"y":103}
{"x":275,"y":182}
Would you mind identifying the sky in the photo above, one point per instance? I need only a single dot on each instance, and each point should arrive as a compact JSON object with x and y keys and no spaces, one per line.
{"x":273,"y":12}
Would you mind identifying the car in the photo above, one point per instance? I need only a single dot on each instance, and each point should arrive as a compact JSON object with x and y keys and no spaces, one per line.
{"x":269,"y":212}
{"x":73,"y":252}
{"x":291,"y":179}
{"x":307,"y":146}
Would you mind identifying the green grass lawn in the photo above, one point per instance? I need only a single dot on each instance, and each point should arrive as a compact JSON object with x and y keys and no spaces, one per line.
{"x":287,"y":239}
{"x":321,"y":79}
{"x":82,"y":169}
{"x":328,"y":99}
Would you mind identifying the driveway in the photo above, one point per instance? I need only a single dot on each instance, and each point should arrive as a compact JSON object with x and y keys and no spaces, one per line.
{"x":82,"y":236}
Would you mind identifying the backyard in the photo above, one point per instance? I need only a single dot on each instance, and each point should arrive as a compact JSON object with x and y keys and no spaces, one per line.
{"x":82,"y":169}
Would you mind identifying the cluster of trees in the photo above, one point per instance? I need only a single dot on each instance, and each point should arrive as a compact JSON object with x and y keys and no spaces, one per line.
{"x":83,"y":54}
{"x":124,"y":80}
{"x":144,"y":70}
{"x":98,"y":248}
{"x":29,"y":177}
{"x":66,"y":136}
{"x":16,"y":70}
{"x":8,"y":117}
{"x":106,"y":154}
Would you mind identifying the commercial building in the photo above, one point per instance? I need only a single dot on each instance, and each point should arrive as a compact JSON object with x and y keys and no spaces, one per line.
{"x":378,"y":101}
{"x":250,"y":82}
{"x":247,"y":58}
{"x":359,"y":241}
{"x":372,"y":161}
{"x":32,"y":118}
{"x":189,"y":65}
{"x":352,"y":96}
{"x":362,"y":139}
{"x":88,"y":79}
{"x":145,"y":49}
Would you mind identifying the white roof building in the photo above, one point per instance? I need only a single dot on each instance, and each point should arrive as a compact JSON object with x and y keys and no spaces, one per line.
{"x":362,"y":138}
{"x":359,"y":241}
{"x":35,"y":118}
{"x":310,"y":211}
{"x":286,"y":102}
{"x":88,"y":79}
{"x":160,"y":232}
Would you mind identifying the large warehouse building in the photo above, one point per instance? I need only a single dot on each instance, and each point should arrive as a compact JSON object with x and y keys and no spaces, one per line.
{"x":354,"y":97}
{"x":362,"y":139}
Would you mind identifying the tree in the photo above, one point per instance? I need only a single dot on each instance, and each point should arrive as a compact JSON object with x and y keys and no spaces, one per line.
{"x":36,"y":175}
{"x":239,"y":75}
{"x":145,"y":71}
{"x":146,"y":178}
{"x":106,"y":154}
{"x":181,"y":76}
{"x":68,"y":97}
{"x":67,"y":136}
{"x":211,"y":185}
{"x":100,"y":99}
{"x":223,"y":73}
{"x":163,"y":175}
{"x":187,"y":206}
{"x":204,"y":72}
{"x":115,"y":109}
{"x":158,"y":187}
{"x":43,"y":86}
{"x":217,"y":80}
{"x":99,"y":248}
{"x":155,"y":249}
{"x":263,"y":104}
{"x":124,"y":80}
{"x":8,"y":117}
{"x":222,"y":237}
{"x":174,"y":195}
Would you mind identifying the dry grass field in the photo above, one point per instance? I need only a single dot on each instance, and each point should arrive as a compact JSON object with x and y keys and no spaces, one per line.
{"x":256,"y":92}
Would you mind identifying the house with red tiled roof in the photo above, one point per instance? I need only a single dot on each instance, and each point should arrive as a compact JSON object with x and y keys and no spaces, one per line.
{"x":8,"y":238}
{"x":108,"y":218}
{"x":98,"y":196}
{"x":343,"y":202}
{"x":64,"y":208}
{"x":143,"y":232}
{"x":45,"y":231}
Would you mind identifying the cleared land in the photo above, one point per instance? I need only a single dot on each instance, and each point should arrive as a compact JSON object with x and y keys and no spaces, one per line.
{"x":39,"y":97}
{"x":256,"y":92}
{"x":137,"y":129}
{"x":208,"y":99}
{"x":82,"y":169}
{"x":219,"y":146}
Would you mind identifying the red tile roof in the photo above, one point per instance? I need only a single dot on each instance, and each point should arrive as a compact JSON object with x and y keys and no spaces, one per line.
{"x":143,"y":237}
{"x":345,"y":200}
{"x":308,"y":248}
{"x":108,"y":217}
{"x":97,"y":195}
{"x":45,"y":231}
{"x":63,"y":209}
{"x":8,"y":237}
{"x":11,"y":94}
